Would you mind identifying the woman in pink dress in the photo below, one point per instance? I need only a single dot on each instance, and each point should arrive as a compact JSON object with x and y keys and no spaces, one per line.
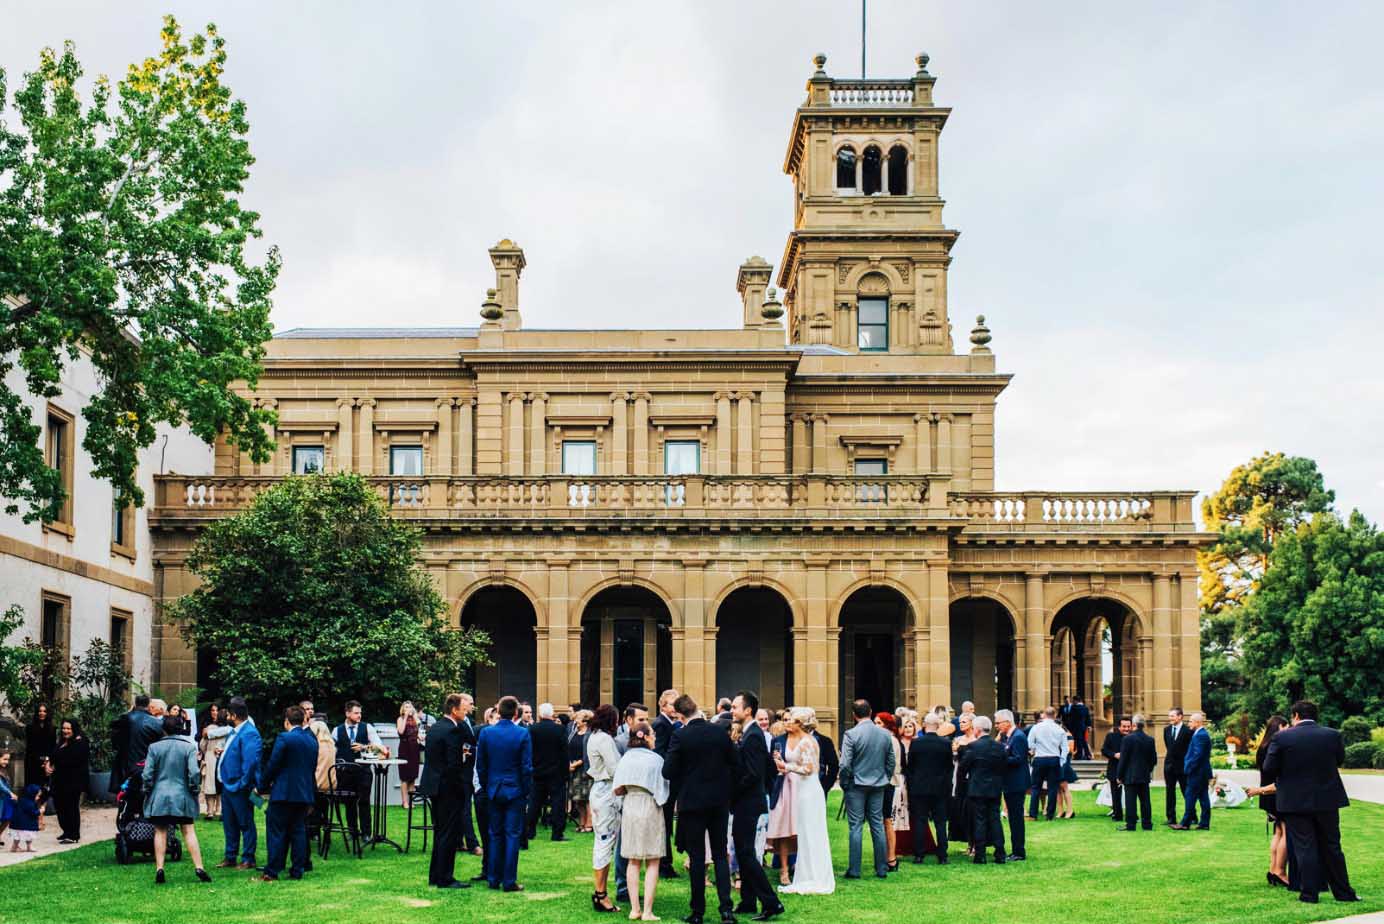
{"x":783,"y":834}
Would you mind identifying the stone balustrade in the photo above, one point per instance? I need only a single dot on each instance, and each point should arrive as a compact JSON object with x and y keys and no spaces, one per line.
{"x":1149,"y":511}
{"x":871,"y":93}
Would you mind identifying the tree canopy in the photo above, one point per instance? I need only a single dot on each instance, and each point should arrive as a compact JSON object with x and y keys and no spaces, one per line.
{"x":314,"y":591}
{"x":122,"y":235}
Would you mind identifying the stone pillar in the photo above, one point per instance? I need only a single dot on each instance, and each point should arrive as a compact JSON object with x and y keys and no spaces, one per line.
{"x":641,"y":432}
{"x":442,"y":451}
{"x":490,"y":434}
{"x":922,"y":444}
{"x":1164,"y":640}
{"x":698,"y":663}
{"x":815,"y":678}
{"x":1144,"y":703}
{"x":366,"y":446}
{"x":801,"y":463}
{"x":939,"y":635}
{"x":723,"y":433}
{"x":819,"y":444}
{"x":465,"y":435}
{"x":944,"y":442}
{"x":538,"y":434}
{"x":345,"y":443}
{"x":514,"y":452}
{"x":563,"y":651}
{"x":744,"y":434}
{"x":619,"y":452}
{"x":1033,"y":690}
{"x":1185,"y":599}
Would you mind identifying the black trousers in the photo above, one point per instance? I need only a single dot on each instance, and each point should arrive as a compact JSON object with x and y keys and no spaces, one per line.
{"x":468,"y":828}
{"x":1137,"y":805}
{"x":358,"y":809}
{"x":924,"y":809}
{"x":446,"y":820}
{"x":1315,"y":838}
{"x":1176,"y":781}
{"x":665,"y":866}
{"x":985,"y":825}
{"x":69,"y":805}
{"x":552,"y":792}
{"x":693,"y":826}
{"x":481,"y":802}
{"x":754,"y":884}
{"x":1014,"y":808}
{"x":1116,"y":797}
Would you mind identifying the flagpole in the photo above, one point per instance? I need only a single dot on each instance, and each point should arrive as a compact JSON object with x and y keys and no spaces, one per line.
{"x":862,"y":39}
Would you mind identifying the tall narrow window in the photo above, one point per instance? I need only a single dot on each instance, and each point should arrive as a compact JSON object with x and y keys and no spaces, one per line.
{"x":53,"y":636}
{"x":579,"y":460}
{"x":870,"y":171}
{"x":122,"y":525}
{"x":58,"y":451}
{"x":868,"y":493}
{"x":307,"y":460}
{"x":873,"y":324}
{"x":680,"y":457}
{"x":120,"y":641}
{"x":408,"y":461}
{"x":845,"y":168}
{"x":898,"y":171}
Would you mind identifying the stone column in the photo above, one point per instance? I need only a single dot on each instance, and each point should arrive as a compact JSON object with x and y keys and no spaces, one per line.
{"x":514,"y":452}
{"x":723,"y":434}
{"x":800,"y":445}
{"x":1033,"y":690}
{"x":563,"y":671}
{"x":1164,"y":640}
{"x":641,"y":432}
{"x":1185,"y":599}
{"x":922,"y":444}
{"x":442,"y":452}
{"x":698,"y":663}
{"x":538,"y":434}
{"x":944,"y":442}
{"x":814,"y":667}
{"x":939,"y":634}
{"x":366,"y":446}
{"x":345,"y":443}
{"x":619,"y":452}
{"x":819,"y":444}
{"x":465,"y":435}
{"x":744,"y":435}
{"x":1144,"y":703}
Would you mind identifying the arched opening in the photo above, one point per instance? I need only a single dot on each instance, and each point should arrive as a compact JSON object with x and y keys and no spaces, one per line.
{"x":507,"y":616}
{"x":874,"y":621}
{"x":754,"y":645}
{"x":898,"y":172}
{"x":845,"y":168}
{"x":626,"y":647}
{"x":871,"y":171}
{"x":1096,"y":656}
{"x":982,"y":655}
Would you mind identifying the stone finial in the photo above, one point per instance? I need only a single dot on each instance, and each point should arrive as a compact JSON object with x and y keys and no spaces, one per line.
{"x":772,"y":309}
{"x":820,"y":61}
{"x":491,"y":310}
{"x":980,"y":336}
{"x":922,"y":61}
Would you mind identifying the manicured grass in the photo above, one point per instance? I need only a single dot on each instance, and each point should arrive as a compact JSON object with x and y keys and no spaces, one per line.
{"x":1078,"y":870}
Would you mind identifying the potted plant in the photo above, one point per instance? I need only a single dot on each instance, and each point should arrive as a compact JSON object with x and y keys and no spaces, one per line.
{"x":101,"y":683}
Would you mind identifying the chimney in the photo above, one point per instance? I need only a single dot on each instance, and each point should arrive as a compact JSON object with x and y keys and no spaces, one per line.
{"x":751,"y":282}
{"x":508,"y":259}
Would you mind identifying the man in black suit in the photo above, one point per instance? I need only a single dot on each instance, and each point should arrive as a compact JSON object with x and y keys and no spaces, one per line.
{"x":549,"y":773}
{"x":1110,"y":750}
{"x":1304,"y":763}
{"x":120,"y":742}
{"x":1134,"y":770}
{"x":469,"y":841}
{"x":702,"y":765}
{"x":751,"y":802}
{"x":665,"y":723}
{"x":928,"y":774}
{"x":983,"y":762}
{"x":1177,"y":736}
{"x":442,"y":783}
{"x":829,"y":764}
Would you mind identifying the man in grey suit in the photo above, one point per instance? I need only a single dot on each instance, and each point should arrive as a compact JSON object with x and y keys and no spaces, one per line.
{"x":867,"y":765}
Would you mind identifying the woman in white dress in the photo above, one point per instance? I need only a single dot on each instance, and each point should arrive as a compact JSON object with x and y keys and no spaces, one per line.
{"x":605,"y":805}
{"x":813,"y":874}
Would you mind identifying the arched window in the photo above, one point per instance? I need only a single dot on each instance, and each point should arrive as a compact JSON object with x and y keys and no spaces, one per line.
{"x":898,"y":171}
{"x":870,"y":174}
{"x":845,"y":168}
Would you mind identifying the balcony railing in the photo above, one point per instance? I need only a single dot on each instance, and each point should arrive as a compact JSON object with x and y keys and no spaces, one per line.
{"x":1076,"y":511}
{"x":871,"y":93}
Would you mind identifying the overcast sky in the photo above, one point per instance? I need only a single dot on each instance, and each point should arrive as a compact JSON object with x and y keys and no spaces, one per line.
{"x":1169,"y":213}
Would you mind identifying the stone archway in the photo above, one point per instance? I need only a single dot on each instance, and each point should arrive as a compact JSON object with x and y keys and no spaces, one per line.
{"x":982,"y":655}
{"x":626,"y":647}
{"x":754,"y":645}
{"x":508,"y":617}
{"x":874,"y":622}
{"x":1096,"y":657}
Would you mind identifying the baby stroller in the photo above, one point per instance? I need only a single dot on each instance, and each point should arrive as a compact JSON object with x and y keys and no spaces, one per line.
{"x":133,"y":832}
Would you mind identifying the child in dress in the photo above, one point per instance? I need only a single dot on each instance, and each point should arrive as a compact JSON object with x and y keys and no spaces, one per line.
{"x":24,"y":822}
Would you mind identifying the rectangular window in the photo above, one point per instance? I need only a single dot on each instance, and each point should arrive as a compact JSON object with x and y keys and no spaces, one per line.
{"x":307,"y":460}
{"x":122,"y":525}
{"x":680,"y":457}
{"x":871,"y":493}
{"x":578,"y":457}
{"x":406,"y":461}
{"x":873,"y":324}
{"x":54,"y":629}
{"x":871,"y":467}
{"x":58,"y":450}
{"x":120,"y":640}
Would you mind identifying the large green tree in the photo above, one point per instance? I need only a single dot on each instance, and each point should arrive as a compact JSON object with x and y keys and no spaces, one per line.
{"x":1315,"y":627}
{"x":122,"y":235}
{"x":315,"y":591}
{"x":1258,"y":502}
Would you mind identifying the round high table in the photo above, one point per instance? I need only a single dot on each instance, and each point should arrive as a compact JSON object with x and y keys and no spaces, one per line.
{"x":379,"y":833}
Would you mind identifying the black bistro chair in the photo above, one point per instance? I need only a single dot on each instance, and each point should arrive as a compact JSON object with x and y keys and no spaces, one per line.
{"x":423,"y":823}
{"x":338,"y":794}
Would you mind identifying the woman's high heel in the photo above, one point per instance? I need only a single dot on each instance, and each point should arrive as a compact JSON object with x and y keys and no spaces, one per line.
{"x":601,"y":902}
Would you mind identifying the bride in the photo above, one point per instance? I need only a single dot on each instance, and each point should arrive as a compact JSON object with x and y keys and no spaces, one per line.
{"x":813,"y":874}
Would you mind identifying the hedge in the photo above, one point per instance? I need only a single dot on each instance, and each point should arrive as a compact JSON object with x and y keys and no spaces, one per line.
{"x":1363,"y":755}
{"x":1356,"y":729}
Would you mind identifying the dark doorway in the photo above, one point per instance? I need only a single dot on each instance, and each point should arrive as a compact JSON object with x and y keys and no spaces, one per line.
{"x":873,"y":623}
{"x":754,"y":646}
{"x":875,"y":675}
{"x":507,"y":616}
{"x":626,"y":647}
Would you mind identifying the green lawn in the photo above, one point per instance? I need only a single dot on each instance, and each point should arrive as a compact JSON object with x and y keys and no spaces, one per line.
{"x":1080,"y":870}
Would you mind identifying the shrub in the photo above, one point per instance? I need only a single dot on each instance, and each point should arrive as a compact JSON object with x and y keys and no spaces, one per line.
{"x":1361,"y":756}
{"x":1379,"y":757}
{"x":1377,"y":735}
{"x":1356,"y":729}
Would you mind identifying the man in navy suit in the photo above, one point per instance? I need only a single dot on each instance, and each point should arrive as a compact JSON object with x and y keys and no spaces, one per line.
{"x":1134,"y":770}
{"x":290,"y":781}
{"x":237,"y":771}
{"x":1017,"y":779}
{"x":504,"y":764}
{"x":1303,"y":763}
{"x":1176,"y":737}
{"x":1196,"y":770}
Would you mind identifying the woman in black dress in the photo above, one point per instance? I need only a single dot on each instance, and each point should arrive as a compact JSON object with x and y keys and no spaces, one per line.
{"x":1278,"y":846}
{"x":40,"y":737}
{"x":70,"y":761}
